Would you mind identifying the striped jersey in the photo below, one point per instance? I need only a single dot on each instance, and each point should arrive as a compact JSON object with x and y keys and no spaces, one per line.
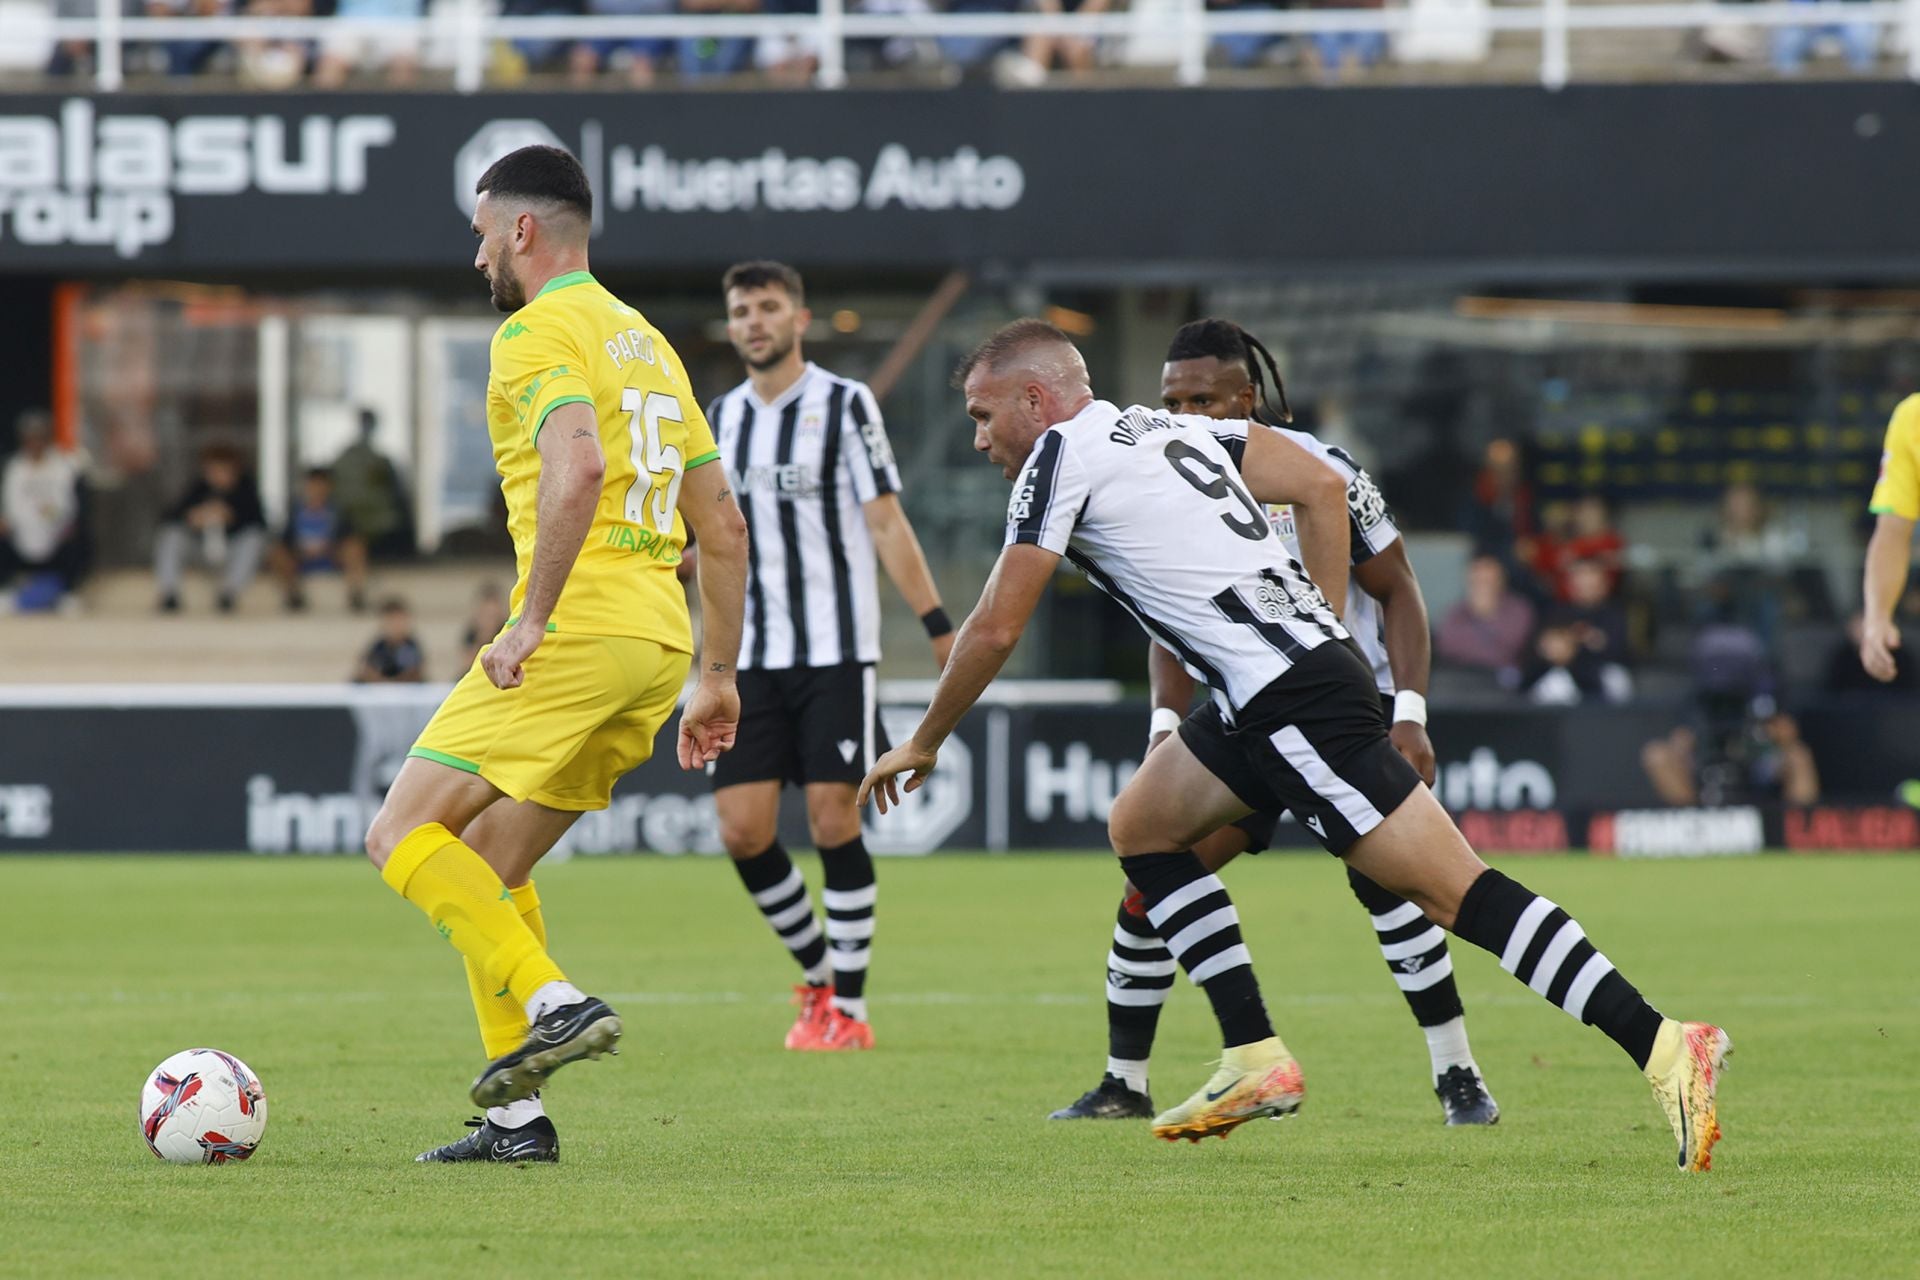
{"x":1150,"y":506}
{"x":802,"y":467}
{"x":1373,"y":532}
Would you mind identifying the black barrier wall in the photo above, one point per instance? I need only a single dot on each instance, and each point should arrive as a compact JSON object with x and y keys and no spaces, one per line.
{"x":1789,"y":181}
{"x":305,"y":778}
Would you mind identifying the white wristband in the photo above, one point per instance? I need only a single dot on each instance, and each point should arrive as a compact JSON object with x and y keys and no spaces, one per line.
{"x":1410,"y":707}
{"x":1165,"y":720}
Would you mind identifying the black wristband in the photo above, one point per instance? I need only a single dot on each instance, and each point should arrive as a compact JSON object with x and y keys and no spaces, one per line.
{"x":937,"y":623}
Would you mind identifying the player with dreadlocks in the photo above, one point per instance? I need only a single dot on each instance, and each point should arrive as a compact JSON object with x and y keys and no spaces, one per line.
{"x":1218,"y":369}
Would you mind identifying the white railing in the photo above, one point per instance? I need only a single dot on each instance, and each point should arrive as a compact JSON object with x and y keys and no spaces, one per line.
{"x":1186,"y":28}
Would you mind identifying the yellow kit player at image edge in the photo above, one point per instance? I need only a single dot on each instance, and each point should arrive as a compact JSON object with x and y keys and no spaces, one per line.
{"x":1897,"y":492}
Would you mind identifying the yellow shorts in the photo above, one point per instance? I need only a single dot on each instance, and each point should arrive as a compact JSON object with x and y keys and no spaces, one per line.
{"x":586,"y":713}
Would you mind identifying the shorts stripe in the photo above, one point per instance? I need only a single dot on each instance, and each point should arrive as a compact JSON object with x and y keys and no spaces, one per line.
{"x":441,"y":757}
{"x":1330,"y":786}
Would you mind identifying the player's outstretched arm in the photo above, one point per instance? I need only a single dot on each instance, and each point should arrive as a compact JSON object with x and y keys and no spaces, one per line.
{"x":980,"y":649}
{"x":1387,"y":576}
{"x":900,"y":555}
{"x":712,"y":715}
{"x":1889,"y":556}
{"x":572,"y":468}
{"x":1278,"y":470}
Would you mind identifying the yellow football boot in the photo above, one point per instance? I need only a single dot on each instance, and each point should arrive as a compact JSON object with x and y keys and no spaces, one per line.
{"x":1684,"y":1070}
{"x":1254,"y":1080}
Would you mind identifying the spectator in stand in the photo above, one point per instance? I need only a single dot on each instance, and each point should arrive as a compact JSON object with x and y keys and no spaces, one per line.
{"x":893,"y":52}
{"x":1489,"y":628}
{"x":1577,"y":532}
{"x":40,"y":533}
{"x":1500,"y":515}
{"x":185,"y":57}
{"x":638,"y":60}
{"x":318,"y":540}
{"x":789,"y":60}
{"x":975,"y":53}
{"x":368,"y":490}
{"x":395,"y":656}
{"x":1846,"y":675}
{"x":724,"y":57}
{"x":1244,"y":50}
{"x":1581,"y":651}
{"x":1750,"y":536}
{"x":396,"y":51}
{"x":218,"y":521}
{"x":489,"y":615}
{"x":275,"y":64}
{"x":1344,"y":55}
{"x":1859,"y":43}
{"x":1070,"y":53}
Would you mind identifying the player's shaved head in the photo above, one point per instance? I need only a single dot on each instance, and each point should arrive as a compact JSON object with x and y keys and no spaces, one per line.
{"x":1027,"y":345}
{"x":1022,"y":380}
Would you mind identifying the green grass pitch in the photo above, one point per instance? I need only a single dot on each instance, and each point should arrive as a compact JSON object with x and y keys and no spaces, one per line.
{"x":706,"y":1150}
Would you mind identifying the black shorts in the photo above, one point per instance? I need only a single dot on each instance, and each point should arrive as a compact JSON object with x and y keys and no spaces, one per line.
{"x":805,"y":724}
{"x":1314,"y":741}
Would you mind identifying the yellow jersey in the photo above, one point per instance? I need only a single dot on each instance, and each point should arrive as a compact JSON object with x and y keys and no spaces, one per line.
{"x":575,"y":343}
{"x":1897,"y":493}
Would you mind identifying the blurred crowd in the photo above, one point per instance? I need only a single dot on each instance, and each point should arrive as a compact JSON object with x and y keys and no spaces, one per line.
{"x":1554,"y":612}
{"x":396,"y":57}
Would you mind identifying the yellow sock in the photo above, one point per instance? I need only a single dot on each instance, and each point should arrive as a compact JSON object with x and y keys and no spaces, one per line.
{"x":471,"y":908}
{"x":503,"y":1020}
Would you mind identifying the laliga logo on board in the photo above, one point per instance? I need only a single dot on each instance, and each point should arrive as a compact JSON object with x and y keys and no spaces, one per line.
{"x":88,"y":178}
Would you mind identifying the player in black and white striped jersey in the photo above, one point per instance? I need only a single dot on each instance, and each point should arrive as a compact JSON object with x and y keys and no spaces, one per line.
{"x":815,"y":477}
{"x":1156,"y":512}
{"x":1216,"y":369}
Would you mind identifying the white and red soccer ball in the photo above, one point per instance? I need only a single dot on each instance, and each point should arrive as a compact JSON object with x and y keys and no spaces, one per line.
{"x":202,"y":1106}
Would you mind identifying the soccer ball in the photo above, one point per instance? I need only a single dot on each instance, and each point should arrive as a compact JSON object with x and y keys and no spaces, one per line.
{"x":202,"y":1106}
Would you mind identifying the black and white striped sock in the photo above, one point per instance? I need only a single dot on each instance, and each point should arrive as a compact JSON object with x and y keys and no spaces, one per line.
{"x":781,"y":895}
{"x":1189,"y":907}
{"x":1416,"y":952}
{"x":849,"y":898}
{"x":1140,"y":973}
{"x":1547,"y":949}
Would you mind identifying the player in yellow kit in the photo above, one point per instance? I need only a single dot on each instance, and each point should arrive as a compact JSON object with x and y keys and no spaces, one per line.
{"x":1896,"y":506}
{"x":605,"y":461}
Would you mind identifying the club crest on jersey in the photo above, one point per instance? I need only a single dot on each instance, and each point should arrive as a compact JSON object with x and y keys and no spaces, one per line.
{"x":1282,"y":517}
{"x":811,"y":424}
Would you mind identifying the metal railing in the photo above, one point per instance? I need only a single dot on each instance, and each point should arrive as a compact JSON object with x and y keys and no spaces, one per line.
{"x":1187,"y":28}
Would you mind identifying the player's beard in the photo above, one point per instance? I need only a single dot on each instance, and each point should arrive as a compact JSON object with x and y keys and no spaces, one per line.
{"x":775,"y":354}
{"x":505,"y":288}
